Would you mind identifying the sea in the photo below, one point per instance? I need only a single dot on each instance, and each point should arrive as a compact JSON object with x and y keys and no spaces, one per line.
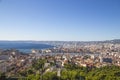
{"x":23,"y":46}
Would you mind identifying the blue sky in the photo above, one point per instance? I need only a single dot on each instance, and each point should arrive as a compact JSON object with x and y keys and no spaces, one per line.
{"x":68,"y":20}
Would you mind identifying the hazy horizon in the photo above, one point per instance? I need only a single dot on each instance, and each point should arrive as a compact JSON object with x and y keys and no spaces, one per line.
{"x":62,"y":40}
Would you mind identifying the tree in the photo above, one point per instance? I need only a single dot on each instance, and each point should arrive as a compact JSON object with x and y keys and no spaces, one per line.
{"x":33,"y":77}
{"x":50,"y":76}
{"x":38,"y":64}
{"x":2,"y":76}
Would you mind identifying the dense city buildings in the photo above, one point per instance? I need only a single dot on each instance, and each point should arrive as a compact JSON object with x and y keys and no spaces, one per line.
{"x":89,"y":55}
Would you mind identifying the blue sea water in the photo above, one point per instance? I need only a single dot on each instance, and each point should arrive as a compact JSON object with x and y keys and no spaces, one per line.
{"x":23,"y":47}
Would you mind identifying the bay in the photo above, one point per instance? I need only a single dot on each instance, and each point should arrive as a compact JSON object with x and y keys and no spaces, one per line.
{"x":23,"y":46}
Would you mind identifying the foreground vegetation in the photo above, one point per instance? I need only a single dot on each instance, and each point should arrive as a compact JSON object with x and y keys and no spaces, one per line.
{"x":69,"y":72}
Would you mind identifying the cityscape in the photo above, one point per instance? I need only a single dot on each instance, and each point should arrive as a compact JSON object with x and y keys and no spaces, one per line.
{"x":51,"y":63}
{"x":59,"y":39}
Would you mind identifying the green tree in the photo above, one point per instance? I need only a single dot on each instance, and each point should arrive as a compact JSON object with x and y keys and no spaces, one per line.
{"x":33,"y":77}
{"x":50,"y":76}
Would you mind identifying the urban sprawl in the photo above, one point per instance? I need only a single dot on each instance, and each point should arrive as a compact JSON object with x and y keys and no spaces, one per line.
{"x":83,"y":54}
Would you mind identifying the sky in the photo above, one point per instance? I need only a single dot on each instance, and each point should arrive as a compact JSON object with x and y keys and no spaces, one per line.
{"x":60,"y":20}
